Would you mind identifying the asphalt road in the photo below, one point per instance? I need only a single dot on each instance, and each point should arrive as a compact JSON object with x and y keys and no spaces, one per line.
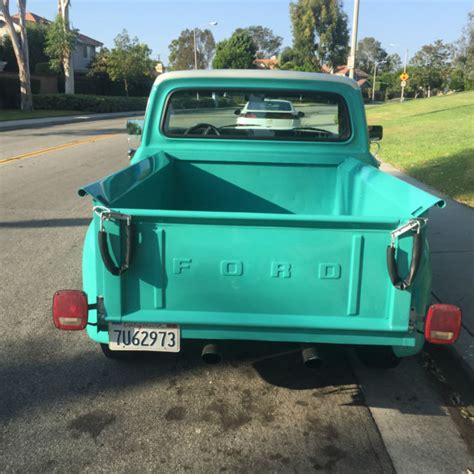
{"x":65,"y":407}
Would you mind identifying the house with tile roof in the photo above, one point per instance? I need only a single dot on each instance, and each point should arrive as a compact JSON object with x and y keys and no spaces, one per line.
{"x":84,"y":52}
{"x":267,"y":63}
{"x":360,"y":76}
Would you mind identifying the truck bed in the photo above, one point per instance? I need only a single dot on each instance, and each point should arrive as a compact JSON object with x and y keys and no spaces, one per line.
{"x":274,"y":251}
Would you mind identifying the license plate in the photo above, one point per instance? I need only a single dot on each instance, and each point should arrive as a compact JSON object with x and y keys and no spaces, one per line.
{"x":144,"y":337}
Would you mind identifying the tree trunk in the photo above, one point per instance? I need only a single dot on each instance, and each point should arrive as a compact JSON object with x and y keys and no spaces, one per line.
{"x":20,"y":47}
{"x":68,"y":66}
{"x":125,"y":84}
{"x":25,"y":78}
{"x":68,"y":76}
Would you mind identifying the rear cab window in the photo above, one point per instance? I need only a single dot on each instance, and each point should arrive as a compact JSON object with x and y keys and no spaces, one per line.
{"x":257,"y":114}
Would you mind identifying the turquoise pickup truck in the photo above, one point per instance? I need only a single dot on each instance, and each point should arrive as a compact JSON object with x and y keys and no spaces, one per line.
{"x":253,"y":209}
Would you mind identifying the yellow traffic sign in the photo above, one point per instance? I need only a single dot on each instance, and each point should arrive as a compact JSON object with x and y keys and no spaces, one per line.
{"x":404,"y":76}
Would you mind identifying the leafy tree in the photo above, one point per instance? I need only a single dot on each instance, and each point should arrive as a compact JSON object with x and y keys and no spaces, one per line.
{"x":456,"y":80}
{"x":237,"y":52}
{"x":287,"y":59}
{"x":430,"y":67}
{"x":302,"y":55}
{"x":181,"y":55}
{"x":370,"y":51}
{"x":37,"y":44}
{"x":266,"y":42}
{"x":469,"y":52}
{"x":20,"y":46}
{"x":320,"y":34}
{"x":332,"y":33}
{"x":462,"y":75}
{"x":60,"y":44}
{"x":394,"y":63}
{"x":7,"y":54}
{"x":98,"y":66}
{"x":389,"y":83}
{"x":36,"y":34}
{"x":128,"y":60}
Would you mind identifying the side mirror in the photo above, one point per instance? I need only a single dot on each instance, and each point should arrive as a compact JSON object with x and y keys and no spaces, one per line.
{"x":300,"y":114}
{"x":134,"y":132}
{"x":237,"y":112}
{"x":375,"y":132}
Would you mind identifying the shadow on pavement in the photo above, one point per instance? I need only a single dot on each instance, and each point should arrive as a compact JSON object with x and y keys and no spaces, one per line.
{"x":33,"y":379}
{"x":37,"y":223}
{"x":168,"y":410}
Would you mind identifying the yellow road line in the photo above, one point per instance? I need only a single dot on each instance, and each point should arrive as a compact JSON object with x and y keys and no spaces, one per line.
{"x":58,"y":147}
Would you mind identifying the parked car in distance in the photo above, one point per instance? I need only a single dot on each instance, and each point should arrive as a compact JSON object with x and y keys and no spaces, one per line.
{"x":269,"y":113}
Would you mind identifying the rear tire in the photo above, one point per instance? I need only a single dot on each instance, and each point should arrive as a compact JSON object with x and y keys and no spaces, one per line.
{"x":117,"y":355}
{"x":377,"y":357}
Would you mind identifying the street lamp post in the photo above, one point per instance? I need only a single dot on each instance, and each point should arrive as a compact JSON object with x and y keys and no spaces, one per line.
{"x":195,"y":50}
{"x":211,"y":23}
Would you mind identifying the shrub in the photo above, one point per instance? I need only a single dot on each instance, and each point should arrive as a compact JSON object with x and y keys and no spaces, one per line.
{"x":88,"y":103}
{"x":193,"y":103}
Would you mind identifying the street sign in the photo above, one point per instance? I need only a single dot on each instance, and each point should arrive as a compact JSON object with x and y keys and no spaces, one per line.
{"x":404,"y":76}
{"x":403,"y":83}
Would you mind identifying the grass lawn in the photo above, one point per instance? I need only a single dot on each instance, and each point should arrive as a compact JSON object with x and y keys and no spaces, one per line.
{"x":19,"y":115}
{"x":431,"y":140}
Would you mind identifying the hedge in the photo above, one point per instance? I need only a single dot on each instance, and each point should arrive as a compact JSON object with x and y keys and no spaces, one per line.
{"x":88,"y":103}
{"x":187,"y":103}
{"x":100,"y":85}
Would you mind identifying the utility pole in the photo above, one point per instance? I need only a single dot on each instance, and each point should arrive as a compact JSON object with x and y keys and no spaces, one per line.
{"x":375,"y":77}
{"x":404,"y":70}
{"x":373,"y":83}
{"x":195,"y":51}
{"x":355,"y":24}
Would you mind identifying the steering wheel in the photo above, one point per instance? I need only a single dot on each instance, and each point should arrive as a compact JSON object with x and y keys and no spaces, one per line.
{"x":206,"y":126}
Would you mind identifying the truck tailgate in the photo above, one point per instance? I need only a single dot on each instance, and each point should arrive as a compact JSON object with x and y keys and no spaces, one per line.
{"x":280,"y":271}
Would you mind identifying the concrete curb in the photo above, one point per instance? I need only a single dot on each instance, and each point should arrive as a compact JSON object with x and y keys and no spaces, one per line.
{"x":44,"y":122}
{"x":463,"y":351}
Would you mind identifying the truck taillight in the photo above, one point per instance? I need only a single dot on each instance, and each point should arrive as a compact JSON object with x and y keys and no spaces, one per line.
{"x":70,"y":310}
{"x":443,"y":323}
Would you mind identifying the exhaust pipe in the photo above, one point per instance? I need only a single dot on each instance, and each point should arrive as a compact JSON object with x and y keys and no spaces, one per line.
{"x":312,"y":357}
{"x":210,"y":354}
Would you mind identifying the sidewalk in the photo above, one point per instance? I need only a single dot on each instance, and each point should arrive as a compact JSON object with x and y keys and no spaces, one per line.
{"x":451,"y":237}
{"x":42,"y":122}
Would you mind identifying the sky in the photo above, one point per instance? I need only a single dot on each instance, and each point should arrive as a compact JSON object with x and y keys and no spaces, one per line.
{"x":399,"y":25}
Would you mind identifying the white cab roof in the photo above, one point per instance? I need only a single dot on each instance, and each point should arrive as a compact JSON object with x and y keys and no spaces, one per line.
{"x":256,"y":74}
